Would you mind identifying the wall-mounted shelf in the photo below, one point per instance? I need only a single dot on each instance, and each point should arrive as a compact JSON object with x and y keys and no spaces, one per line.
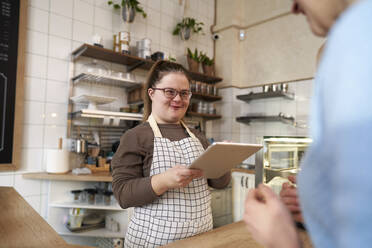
{"x":280,"y":118}
{"x":96,"y":177}
{"x":114,"y":207}
{"x":205,"y":116}
{"x":108,"y":55}
{"x":100,"y":114}
{"x":254,"y":96}
{"x":106,"y":80}
{"x":131,"y":61}
{"x":208,"y":98}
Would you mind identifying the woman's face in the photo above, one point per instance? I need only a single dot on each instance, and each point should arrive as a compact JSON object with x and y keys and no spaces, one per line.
{"x":166,"y":109}
{"x":320,"y":14}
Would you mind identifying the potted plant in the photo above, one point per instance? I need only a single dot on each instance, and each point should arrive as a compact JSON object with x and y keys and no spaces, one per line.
{"x":184,"y":28}
{"x":128,"y":9}
{"x":193,"y":60}
{"x":207,"y":64}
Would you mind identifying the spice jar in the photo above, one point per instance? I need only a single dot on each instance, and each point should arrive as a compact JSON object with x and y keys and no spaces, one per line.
{"x":91,"y":195}
{"x":193,"y":86}
{"x":76,"y":194}
{"x":204,"y":88}
{"x":215,"y":90}
{"x":197,"y":87}
{"x":107,"y":197}
{"x":210,"y":89}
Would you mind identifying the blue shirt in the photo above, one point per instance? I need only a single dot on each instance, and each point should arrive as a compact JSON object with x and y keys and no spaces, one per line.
{"x":335,"y":184}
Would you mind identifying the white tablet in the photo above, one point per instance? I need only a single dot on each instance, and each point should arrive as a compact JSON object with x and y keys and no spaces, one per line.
{"x":220,"y":157}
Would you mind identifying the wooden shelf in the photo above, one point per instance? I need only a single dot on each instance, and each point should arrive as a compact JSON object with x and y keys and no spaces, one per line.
{"x":96,"y":177}
{"x":208,"y":98}
{"x":205,"y":116}
{"x":111,"y":56}
{"x":197,"y":76}
{"x":132,"y":61}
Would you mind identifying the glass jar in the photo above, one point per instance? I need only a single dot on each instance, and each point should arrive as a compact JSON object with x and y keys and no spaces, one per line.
{"x":95,"y":68}
{"x":204,"y":88}
{"x":76,"y":195}
{"x":107,"y":197}
{"x":91,"y":195}
{"x":197,"y":87}
{"x":210,"y":89}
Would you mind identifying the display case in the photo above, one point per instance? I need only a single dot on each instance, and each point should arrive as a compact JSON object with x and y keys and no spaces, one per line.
{"x":280,"y":157}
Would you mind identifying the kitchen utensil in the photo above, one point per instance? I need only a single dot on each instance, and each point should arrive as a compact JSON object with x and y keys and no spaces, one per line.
{"x":81,"y":145}
{"x":76,"y":217}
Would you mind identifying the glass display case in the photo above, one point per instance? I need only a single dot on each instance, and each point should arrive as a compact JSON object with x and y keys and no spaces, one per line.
{"x":280,"y":157}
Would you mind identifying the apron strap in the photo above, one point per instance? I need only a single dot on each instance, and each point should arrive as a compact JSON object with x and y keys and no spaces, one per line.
{"x":154,"y":126}
{"x":156,"y":130}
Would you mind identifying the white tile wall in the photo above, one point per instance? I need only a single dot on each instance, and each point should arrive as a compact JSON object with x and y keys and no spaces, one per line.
{"x":54,"y":29}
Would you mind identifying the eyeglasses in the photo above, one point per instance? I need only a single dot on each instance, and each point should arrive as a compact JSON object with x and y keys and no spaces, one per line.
{"x":172,"y":93}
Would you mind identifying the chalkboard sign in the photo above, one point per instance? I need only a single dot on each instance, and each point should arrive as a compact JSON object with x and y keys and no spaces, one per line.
{"x":12,"y":39}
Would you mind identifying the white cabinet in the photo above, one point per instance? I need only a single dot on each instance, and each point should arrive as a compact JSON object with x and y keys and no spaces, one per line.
{"x":221,"y":206}
{"x":61,"y":200}
{"x":241,"y":183}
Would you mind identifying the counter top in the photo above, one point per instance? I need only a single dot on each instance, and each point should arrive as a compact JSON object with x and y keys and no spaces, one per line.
{"x":243,"y":170}
{"x":234,"y":235}
{"x":95,"y":177}
{"x":22,"y":226}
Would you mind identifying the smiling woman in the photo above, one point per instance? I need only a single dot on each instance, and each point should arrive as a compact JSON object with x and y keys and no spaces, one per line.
{"x":150,"y":168}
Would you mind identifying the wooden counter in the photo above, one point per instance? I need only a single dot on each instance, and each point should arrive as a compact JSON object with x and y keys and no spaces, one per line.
{"x":234,"y":235}
{"x":22,"y":226}
{"x":95,"y":177}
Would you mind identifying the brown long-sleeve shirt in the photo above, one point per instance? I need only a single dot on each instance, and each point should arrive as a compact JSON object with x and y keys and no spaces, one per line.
{"x":131,"y":163}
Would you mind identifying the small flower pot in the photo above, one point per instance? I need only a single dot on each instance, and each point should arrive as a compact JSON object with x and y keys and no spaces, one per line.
{"x":208,"y":69}
{"x":185,"y":33}
{"x":193,"y":65}
{"x":128,"y":14}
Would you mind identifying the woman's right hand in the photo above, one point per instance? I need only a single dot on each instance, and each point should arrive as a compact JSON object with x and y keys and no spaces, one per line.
{"x":178,"y":176}
{"x":289,"y":197}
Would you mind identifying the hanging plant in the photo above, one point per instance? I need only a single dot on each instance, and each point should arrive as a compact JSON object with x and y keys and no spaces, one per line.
{"x":128,"y":9}
{"x":184,"y":28}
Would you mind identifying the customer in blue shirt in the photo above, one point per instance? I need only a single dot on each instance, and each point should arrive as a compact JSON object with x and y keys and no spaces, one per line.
{"x":335,"y":184}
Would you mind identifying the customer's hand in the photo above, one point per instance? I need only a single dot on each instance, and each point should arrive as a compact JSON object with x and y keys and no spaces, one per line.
{"x":289,"y":197}
{"x":178,"y":176}
{"x":268,"y":219}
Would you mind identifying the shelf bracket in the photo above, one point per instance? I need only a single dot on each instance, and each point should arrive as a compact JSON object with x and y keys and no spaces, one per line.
{"x":135,"y":65}
{"x":79,"y":52}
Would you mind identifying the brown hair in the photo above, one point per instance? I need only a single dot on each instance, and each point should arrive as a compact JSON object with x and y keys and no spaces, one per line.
{"x":157,"y":72}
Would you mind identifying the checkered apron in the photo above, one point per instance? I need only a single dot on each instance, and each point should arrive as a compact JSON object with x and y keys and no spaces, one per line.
{"x":178,"y":213}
